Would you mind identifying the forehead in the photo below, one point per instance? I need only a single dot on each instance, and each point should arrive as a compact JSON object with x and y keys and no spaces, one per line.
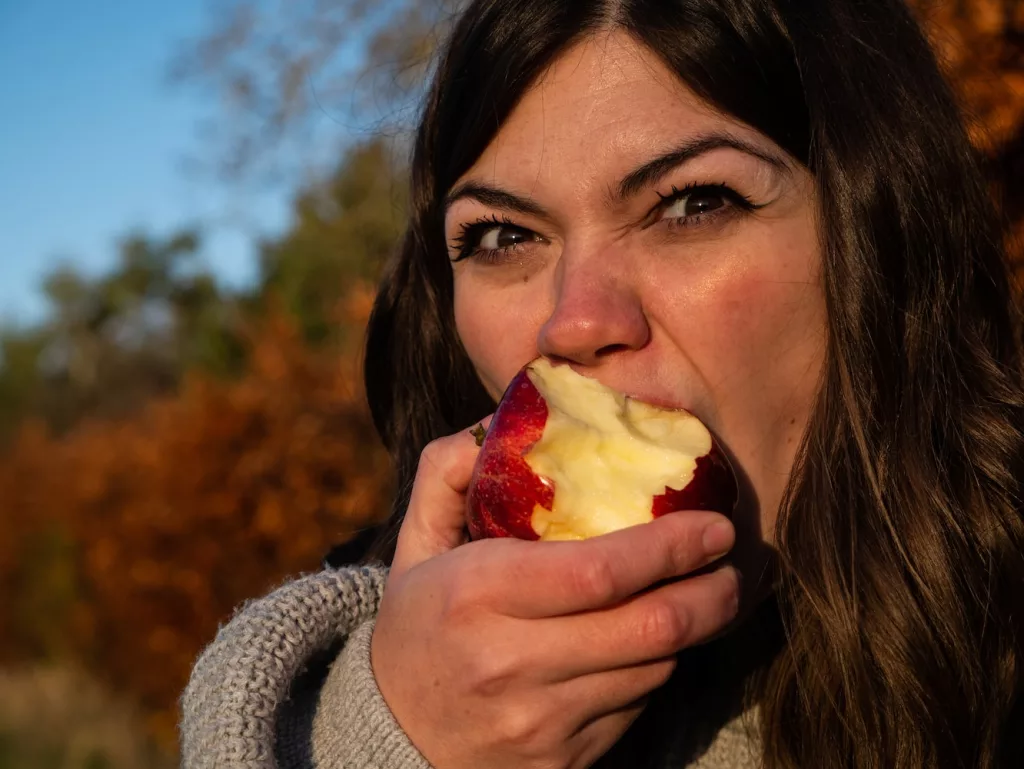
{"x":602,"y":107}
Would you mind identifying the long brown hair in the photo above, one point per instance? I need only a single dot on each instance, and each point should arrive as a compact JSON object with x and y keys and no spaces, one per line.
{"x":901,"y":539}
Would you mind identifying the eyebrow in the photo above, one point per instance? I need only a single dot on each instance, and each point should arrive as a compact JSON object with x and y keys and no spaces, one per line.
{"x":633,"y":183}
{"x":653,"y":171}
{"x":495,"y":198}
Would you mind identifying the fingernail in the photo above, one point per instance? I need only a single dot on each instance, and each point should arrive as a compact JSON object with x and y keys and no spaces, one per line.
{"x":734,"y":604}
{"x":718,"y":539}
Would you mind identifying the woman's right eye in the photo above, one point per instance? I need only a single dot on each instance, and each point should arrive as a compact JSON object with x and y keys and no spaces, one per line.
{"x":502,"y":236}
{"x":489,"y":240}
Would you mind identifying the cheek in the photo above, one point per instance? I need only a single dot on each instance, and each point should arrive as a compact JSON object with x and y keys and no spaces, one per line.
{"x":765,"y":315}
{"x":761,"y":350}
{"x":499,"y":335}
{"x":761,"y":364}
{"x":766,"y":323}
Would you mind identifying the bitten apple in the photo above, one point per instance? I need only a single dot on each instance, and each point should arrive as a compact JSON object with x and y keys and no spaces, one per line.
{"x":566,"y":457}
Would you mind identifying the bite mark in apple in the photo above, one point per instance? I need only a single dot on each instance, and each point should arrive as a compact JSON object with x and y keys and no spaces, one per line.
{"x":566,"y":457}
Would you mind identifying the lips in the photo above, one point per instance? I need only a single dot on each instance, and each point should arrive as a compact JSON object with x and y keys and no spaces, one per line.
{"x":665,"y":397}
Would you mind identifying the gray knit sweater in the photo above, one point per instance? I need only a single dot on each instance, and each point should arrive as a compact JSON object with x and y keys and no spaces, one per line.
{"x":288,"y":683}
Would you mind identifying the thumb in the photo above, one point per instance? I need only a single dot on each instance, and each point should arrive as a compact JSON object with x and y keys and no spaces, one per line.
{"x":435,"y":520}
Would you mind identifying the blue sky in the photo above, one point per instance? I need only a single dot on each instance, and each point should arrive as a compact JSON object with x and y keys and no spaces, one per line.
{"x":92,"y":138}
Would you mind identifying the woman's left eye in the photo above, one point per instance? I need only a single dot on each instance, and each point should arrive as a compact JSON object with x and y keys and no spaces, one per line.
{"x":695,"y":204}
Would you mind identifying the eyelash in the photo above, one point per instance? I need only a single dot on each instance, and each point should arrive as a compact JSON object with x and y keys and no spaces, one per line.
{"x":468,"y":239}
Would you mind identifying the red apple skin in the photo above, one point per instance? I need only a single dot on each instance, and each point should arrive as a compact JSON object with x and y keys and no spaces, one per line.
{"x":504,"y":488}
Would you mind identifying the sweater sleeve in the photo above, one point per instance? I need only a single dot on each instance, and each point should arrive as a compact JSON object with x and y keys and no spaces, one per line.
{"x":352,"y":724}
{"x":287,"y":683}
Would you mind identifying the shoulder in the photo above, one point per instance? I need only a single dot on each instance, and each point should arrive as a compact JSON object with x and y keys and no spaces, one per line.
{"x":240,"y":681}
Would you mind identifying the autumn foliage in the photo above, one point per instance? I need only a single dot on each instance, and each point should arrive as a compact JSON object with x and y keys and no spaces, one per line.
{"x":126,"y":543}
{"x":981,"y":46}
{"x":127,"y":540}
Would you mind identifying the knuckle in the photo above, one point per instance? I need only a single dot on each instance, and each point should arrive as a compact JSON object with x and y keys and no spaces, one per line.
{"x":463,"y":600}
{"x":522,"y":727}
{"x":433,"y":455}
{"x":664,"y":627}
{"x":492,"y":673}
{"x":595,"y":579}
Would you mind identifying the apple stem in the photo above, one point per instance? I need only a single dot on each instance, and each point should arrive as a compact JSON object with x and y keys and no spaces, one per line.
{"x":479,"y":432}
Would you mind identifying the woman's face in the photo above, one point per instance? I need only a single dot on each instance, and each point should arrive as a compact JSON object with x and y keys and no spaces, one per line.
{"x":619,"y":223}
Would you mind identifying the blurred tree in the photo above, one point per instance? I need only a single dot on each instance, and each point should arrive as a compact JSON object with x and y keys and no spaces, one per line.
{"x":126,"y":542}
{"x":111,"y":342}
{"x":20,"y":350}
{"x":343,"y":230}
{"x":981,"y":43}
{"x":294,"y":81}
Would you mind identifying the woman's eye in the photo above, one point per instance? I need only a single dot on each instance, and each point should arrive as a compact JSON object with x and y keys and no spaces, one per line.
{"x":701,"y":206}
{"x":490,"y":241}
{"x":502,"y":236}
{"x":695,"y":204}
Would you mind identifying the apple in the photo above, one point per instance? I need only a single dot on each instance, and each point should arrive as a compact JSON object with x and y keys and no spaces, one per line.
{"x":566,"y":457}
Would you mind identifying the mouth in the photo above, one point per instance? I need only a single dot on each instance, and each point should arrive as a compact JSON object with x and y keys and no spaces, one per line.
{"x":676,"y":404}
{"x":651,"y":394}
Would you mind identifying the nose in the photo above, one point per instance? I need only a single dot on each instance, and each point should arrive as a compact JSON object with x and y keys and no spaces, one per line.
{"x":597,"y":313}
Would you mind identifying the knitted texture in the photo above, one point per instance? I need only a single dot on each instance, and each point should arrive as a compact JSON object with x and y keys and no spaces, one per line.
{"x":231,"y":703}
{"x":288,"y":683}
{"x":736,"y":746}
{"x":353,"y":726}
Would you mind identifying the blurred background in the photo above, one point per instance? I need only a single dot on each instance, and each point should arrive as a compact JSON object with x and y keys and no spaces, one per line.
{"x":196,"y":198}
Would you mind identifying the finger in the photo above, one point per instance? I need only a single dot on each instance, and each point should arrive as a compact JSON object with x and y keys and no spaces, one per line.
{"x":558,"y":578}
{"x":435,"y":519}
{"x":651,"y":626}
{"x":595,"y":696}
{"x":549,"y":723}
{"x":549,"y":729}
{"x":597,"y":736}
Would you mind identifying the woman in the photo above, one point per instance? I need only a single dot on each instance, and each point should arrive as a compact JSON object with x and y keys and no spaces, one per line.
{"x":766,"y":211}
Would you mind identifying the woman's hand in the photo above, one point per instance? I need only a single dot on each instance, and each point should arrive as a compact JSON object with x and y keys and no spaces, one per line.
{"x":503,"y":653}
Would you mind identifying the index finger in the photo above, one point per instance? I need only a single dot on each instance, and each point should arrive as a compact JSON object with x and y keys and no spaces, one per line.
{"x":435,"y":517}
{"x":557,"y":578}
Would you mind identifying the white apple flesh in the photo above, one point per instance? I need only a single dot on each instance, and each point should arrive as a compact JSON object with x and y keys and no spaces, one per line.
{"x":566,"y":457}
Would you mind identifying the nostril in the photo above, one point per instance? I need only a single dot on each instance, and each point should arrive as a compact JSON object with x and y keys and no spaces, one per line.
{"x":577,"y":361}
{"x":610,"y":349}
{"x":558,"y":360}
